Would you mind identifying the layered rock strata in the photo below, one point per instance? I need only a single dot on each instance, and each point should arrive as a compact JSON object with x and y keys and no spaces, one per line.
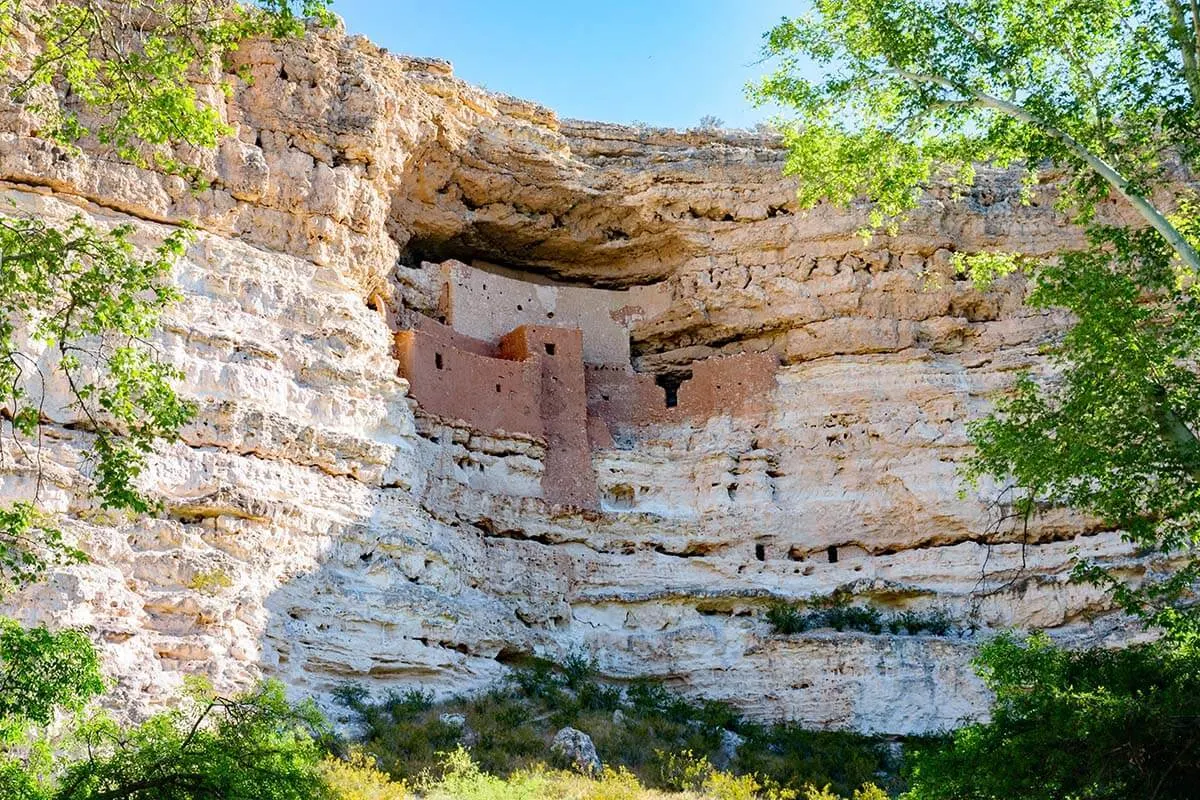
{"x":325,"y":524}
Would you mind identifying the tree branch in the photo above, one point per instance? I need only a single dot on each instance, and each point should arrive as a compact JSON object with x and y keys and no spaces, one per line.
{"x":1141,"y":205}
{"x":1187,"y":44}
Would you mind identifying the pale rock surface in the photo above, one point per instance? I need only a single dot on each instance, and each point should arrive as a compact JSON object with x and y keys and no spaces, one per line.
{"x":363,"y":540}
{"x":576,"y":748}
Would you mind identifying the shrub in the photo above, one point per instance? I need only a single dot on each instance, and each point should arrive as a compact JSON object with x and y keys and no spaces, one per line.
{"x":835,"y":611}
{"x":353,"y":696}
{"x":683,"y":771}
{"x":936,"y":621}
{"x":43,"y":672}
{"x":577,"y":669}
{"x":459,"y":777}
{"x":786,"y":618}
{"x":867,"y":792}
{"x":646,"y":730}
{"x":405,"y":705}
{"x":723,"y":786}
{"x":596,"y":697}
{"x":854,"y":618}
{"x":462,"y":779}
{"x":619,"y":784}
{"x":646,"y":695}
{"x":210,"y":581}
{"x":1097,"y":724}
{"x":358,"y":778}
{"x":795,"y":758}
{"x":252,"y":746}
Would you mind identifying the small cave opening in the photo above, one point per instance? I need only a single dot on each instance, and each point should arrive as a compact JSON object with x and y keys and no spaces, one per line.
{"x":832,"y":553}
{"x":760,"y":552}
{"x":549,"y":348}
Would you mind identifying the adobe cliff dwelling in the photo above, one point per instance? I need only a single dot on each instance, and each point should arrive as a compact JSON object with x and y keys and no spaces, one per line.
{"x":558,"y":357}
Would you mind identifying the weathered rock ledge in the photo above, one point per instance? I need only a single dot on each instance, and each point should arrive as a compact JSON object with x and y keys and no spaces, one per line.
{"x":365,"y":538}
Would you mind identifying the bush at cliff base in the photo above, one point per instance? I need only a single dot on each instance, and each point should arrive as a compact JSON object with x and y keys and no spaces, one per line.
{"x":1083,"y":725}
{"x":459,"y":777}
{"x":250,"y":747}
{"x":644,"y":728}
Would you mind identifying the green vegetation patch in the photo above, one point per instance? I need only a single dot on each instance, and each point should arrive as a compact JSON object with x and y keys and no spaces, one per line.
{"x":641,"y":727}
{"x":837,"y":612}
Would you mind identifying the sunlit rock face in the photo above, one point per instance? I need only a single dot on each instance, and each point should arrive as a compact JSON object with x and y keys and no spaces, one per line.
{"x":324,"y":524}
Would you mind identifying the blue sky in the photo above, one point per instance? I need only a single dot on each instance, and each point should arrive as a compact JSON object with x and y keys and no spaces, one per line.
{"x":662,"y":62}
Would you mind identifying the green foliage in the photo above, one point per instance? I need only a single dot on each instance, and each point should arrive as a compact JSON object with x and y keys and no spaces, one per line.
{"x":462,"y":778}
{"x":41,"y":672}
{"x":140,"y":76}
{"x":357,"y":778}
{"x":694,"y":774}
{"x":837,"y":612}
{"x":1111,"y":434}
{"x":29,"y":542}
{"x":87,"y":301}
{"x":79,"y":301}
{"x":78,"y":305}
{"x":915,"y":90}
{"x":644,"y":729}
{"x":789,"y":618}
{"x":683,"y":771}
{"x":935,"y":621}
{"x":253,"y":746}
{"x":867,"y":792}
{"x":793,"y":757}
{"x":245,"y":748}
{"x":1107,"y":91}
{"x":1092,"y":724}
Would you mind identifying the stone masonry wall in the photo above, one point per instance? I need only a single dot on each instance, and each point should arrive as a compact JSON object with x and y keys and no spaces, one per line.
{"x":494,"y":394}
{"x":546,"y":385}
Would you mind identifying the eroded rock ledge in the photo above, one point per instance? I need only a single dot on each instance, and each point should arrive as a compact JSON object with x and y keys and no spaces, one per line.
{"x":365,"y":532}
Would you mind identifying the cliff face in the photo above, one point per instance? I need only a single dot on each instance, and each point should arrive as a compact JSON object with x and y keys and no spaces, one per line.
{"x":324,"y":524}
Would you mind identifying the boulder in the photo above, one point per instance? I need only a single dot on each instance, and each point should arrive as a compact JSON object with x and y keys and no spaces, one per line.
{"x":576,"y":747}
{"x":727,"y":752}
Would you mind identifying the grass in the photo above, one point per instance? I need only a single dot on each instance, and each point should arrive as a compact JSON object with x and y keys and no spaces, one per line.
{"x":641,"y":730}
{"x":458,"y":777}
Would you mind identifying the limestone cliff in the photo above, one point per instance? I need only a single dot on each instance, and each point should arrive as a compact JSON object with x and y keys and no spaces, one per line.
{"x":372,"y":534}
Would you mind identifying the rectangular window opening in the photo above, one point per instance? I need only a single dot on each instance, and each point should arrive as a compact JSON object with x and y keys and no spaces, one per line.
{"x":549,"y":348}
{"x":437,"y":360}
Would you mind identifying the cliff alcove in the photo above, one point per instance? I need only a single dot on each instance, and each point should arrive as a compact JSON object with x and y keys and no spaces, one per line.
{"x":405,"y":470}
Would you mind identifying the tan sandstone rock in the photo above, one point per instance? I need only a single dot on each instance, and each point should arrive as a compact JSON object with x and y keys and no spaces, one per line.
{"x":362,"y":538}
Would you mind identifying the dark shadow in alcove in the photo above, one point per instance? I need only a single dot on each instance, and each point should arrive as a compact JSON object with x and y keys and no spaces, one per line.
{"x":670,"y":383}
